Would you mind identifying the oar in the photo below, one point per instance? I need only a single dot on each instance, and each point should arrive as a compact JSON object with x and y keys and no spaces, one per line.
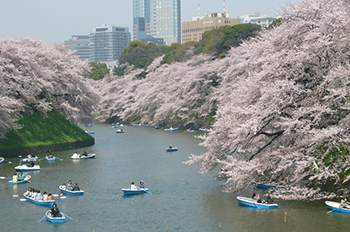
{"x":42,"y":158}
{"x":22,"y":199}
{"x":42,"y":218}
{"x":63,"y":197}
{"x":67,"y":216}
{"x":7,"y":178}
{"x":147,"y":191}
{"x":15,"y":195}
{"x":58,"y":158}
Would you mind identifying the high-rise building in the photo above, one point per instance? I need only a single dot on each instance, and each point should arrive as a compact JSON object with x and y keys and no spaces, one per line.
{"x":157,"y":21}
{"x":193,"y":30}
{"x":107,"y":43}
{"x":79,"y":43}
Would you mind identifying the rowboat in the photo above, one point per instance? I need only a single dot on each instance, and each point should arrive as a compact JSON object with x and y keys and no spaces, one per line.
{"x":90,"y":132}
{"x":40,"y":202}
{"x":25,"y":180}
{"x":1,"y":160}
{"x":77,"y":156}
{"x":190,"y":130}
{"x":203,"y":130}
{"x":133,"y":124}
{"x":171,"y":149}
{"x":69,"y":192}
{"x":251,"y":203}
{"x":171,"y":129}
{"x":55,"y":219}
{"x":120,"y":131}
{"x":264,"y":185}
{"x":51,"y":158}
{"x":336,"y":206}
{"x":134,"y":191}
{"x":30,"y":159}
{"x":25,"y":168}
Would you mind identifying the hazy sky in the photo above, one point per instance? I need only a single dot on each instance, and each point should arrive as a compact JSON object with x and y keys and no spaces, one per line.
{"x":57,"y":20}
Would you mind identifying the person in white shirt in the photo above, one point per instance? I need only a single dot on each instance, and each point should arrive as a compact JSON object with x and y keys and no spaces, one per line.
{"x":133,"y":186}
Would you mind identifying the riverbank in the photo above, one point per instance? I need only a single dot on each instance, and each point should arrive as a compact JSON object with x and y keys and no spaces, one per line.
{"x":43,"y":133}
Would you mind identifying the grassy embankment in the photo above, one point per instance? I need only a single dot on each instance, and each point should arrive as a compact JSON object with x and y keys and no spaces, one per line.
{"x":38,"y":130}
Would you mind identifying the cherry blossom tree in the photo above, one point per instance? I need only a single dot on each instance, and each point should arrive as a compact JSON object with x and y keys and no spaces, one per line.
{"x":281,"y":102}
{"x":37,"y":76}
{"x":284,"y":101}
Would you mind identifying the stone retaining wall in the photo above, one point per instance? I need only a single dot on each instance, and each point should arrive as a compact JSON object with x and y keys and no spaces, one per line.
{"x":48,"y":148}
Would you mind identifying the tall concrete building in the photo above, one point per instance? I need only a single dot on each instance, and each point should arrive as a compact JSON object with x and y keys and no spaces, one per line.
{"x":193,"y":30}
{"x":157,"y":21}
{"x":80,"y":43}
{"x":107,"y":43}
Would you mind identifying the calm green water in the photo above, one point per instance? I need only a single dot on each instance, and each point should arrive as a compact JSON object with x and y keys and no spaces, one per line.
{"x":181,"y":199}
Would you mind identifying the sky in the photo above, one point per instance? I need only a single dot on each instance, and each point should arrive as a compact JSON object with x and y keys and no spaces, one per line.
{"x":55,"y":21}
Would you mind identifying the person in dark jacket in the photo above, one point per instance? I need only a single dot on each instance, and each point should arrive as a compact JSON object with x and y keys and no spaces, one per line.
{"x":76,"y":187}
{"x":268,"y":200}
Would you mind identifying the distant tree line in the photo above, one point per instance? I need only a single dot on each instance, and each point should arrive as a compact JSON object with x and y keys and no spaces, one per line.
{"x":215,"y":42}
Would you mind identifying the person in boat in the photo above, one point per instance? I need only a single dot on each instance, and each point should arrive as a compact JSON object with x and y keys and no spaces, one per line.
{"x":142,"y":184}
{"x":31,"y":164}
{"x":170,"y":146}
{"x":49,"y":197}
{"x":15,"y":177}
{"x":133,"y":186}
{"x":28,"y":164}
{"x":55,"y":212}
{"x":63,"y":186}
{"x":38,"y":195}
{"x":45,"y":196}
{"x":76,"y":187}
{"x":28,"y":192}
{"x":21,"y":176}
{"x":69,"y":185}
{"x":34,"y":194}
{"x":84,"y":154}
{"x":268,"y":200}
{"x":50,"y":156}
{"x":256,"y":197}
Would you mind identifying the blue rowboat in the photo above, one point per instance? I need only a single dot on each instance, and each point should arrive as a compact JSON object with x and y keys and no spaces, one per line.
{"x":30,"y":159}
{"x":55,"y":219}
{"x":336,"y":206}
{"x":203,"y":130}
{"x":25,"y":180}
{"x":171,"y":129}
{"x":77,"y":156}
{"x":90,"y":132}
{"x":251,"y":203}
{"x":264,"y":185}
{"x":171,"y":149}
{"x":133,"y":124}
{"x":120,"y":131}
{"x":25,"y":168}
{"x":190,"y":130}
{"x":134,"y":191}
{"x":69,"y":192}
{"x":40,"y":202}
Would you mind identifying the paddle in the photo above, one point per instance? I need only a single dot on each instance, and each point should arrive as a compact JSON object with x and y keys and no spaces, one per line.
{"x":42,"y":218}
{"x":147,"y":191}
{"x":67,"y":216}
{"x":7,"y":178}
{"x":58,"y":158}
